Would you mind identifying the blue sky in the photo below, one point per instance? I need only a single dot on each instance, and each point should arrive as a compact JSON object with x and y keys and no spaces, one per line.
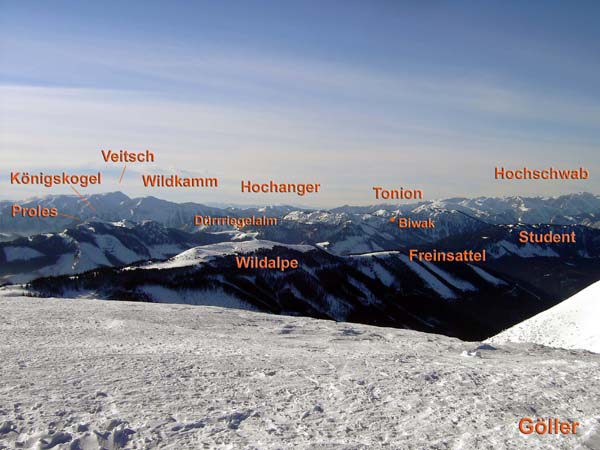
{"x":349,"y":94}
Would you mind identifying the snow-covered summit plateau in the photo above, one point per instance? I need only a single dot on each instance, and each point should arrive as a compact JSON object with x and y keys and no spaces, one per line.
{"x":85,"y":374}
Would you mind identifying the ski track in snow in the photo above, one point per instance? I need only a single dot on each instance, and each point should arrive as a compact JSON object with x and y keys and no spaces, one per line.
{"x":88,"y":374}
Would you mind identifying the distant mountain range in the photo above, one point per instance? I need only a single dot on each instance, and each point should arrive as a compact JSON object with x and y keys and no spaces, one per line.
{"x":353,"y":260}
{"x":110,"y":207}
{"x":583,"y":209}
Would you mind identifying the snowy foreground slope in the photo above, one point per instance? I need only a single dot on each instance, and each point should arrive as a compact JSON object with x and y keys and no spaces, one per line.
{"x":84,"y":374}
{"x":573,"y":323}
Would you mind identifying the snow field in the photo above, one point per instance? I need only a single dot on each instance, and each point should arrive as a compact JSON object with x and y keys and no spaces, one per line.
{"x":105,"y":374}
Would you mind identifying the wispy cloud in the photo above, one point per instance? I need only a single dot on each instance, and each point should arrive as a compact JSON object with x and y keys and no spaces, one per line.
{"x":240,"y":115}
{"x":231,"y":76}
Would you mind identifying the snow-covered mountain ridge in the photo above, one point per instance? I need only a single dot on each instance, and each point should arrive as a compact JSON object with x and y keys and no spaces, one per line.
{"x":573,"y":323}
{"x":382,"y":288}
{"x":582,"y":208}
{"x":91,"y":245}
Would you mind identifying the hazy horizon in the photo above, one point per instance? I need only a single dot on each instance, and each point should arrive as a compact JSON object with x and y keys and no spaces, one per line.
{"x":298,"y":205}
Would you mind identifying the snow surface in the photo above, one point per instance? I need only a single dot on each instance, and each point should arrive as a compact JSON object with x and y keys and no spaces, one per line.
{"x":573,"y":323}
{"x":160,"y":251}
{"x":450,"y":279}
{"x":382,"y":253}
{"x":376,"y":271}
{"x":88,"y":374}
{"x":383,"y":275}
{"x":110,"y":244}
{"x":429,"y":279}
{"x":204,"y":297}
{"x":205,"y":253}
{"x":527,"y":250}
{"x":354,"y":244}
{"x":486,"y":276}
{"x":90,"y":257}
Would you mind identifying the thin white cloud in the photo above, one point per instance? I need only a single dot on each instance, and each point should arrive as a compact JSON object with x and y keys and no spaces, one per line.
{"x":279,"y":79}
{"x":347,"y":151}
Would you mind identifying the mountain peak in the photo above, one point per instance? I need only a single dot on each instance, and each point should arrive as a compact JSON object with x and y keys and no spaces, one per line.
{"x":116,"y":196}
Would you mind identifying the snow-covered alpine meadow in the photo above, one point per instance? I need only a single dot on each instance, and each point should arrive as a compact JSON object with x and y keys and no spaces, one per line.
{"x":89,"y":374}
